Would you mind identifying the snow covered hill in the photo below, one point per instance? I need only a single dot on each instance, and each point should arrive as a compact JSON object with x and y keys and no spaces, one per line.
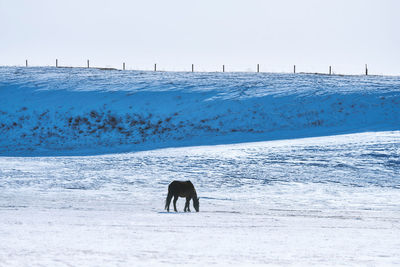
{"x":67,"y":111}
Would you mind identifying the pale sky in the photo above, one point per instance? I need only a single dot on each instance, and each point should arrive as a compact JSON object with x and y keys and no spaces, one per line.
{"x":312,"y":34}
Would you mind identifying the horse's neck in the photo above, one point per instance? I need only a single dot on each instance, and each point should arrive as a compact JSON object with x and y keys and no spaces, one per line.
{"x":194,"y":194}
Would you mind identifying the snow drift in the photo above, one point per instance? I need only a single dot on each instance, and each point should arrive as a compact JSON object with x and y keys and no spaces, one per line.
{"x":53,"y":111}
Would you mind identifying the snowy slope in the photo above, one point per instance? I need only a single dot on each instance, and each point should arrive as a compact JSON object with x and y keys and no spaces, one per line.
{"x":56,"y":111}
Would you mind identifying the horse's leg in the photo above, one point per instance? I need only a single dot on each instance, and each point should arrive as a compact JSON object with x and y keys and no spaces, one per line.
{"x":168,"y":201}
{"x":175,"y":199}
{"x":188,"y":203}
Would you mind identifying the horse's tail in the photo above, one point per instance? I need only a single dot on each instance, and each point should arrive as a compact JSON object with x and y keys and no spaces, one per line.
{"x":168,"y":200}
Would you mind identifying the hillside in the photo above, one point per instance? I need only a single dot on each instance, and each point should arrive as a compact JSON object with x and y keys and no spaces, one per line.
{"x":71,"y":111}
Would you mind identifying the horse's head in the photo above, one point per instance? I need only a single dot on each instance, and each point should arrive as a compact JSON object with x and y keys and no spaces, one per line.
{"x":196,"y":204}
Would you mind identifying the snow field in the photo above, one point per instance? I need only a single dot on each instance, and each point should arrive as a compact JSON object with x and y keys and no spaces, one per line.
{"x":314,"y":201}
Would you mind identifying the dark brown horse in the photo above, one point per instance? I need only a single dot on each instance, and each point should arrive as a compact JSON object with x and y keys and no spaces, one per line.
{"x":182,"y":189}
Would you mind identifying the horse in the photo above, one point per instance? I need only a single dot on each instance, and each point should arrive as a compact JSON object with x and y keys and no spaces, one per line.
{"x":185,"y":189}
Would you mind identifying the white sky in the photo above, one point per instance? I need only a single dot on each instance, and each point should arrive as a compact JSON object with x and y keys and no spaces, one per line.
{"x":312,"y":34}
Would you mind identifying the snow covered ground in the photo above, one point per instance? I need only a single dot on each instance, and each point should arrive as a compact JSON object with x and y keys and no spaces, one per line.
{"x":323,"y":201}
{"x":290,"y":169}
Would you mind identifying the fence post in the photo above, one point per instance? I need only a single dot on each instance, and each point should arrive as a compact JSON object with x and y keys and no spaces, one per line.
{"x":88,"y":63}
{"x":123,"y":66}
{"x":294,"y":68}
{"x":56,"y":63}
{"x":258,"y":67}
{"x":330,"y":70}
{"x":366,"y":69}
{"x":192,"y":67}
{"x":26,"y":63}
{"x":223,"y":68}
{"x":155,"y":67}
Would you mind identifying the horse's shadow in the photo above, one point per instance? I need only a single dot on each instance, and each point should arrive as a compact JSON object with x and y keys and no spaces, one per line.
{"x":211,"y":211}
{"x":166,"y":212}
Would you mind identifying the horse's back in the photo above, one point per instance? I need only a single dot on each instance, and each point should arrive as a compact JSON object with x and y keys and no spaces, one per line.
{"x":180,"y":186}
